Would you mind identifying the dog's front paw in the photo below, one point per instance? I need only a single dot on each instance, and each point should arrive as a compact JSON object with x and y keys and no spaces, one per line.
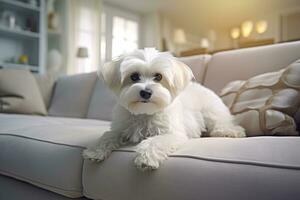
{"x":145,"y":163}
{"x":95,"y":155}
{"x":234,"y":132}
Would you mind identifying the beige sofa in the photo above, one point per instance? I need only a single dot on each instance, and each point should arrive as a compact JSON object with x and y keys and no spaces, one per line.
{"x":40,"y":157}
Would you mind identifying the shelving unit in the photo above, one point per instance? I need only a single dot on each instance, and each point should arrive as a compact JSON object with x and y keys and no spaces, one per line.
{"x":20,"y":4}
{"x":18,"y":40}
{"x":20,"y":66}
{"x":18,"y":33}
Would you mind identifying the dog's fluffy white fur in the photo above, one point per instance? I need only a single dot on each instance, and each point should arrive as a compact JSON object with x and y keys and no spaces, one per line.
{"x":178,"y":109}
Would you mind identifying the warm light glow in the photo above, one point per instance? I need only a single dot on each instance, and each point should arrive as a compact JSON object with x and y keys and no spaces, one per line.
{"x":261,"y":26}
{"x":247,"y":27}
{"x":235,"y":33}
{"x":179,"y":36}
{"x":204,"y":43}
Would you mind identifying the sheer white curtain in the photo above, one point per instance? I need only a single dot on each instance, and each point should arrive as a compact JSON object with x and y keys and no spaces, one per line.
{"x":83,"y":31}
{"x":119,"y":31}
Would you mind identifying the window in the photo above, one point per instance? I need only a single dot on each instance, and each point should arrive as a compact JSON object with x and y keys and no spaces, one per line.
{"x":125,"y":33}
{"x":119,"y":32}
{"x":87,"y":35}
{"x":103,"y":38}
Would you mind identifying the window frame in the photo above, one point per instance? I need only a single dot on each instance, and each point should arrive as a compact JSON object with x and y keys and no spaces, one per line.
{"x":111,"y":11}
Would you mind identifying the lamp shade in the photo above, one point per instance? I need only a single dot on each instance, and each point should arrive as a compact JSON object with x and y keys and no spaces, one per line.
{"x":82,"y":52}
{"x":204,"y":43}
{"x":261,"y":26}
{"x":179,"y":36}
{"x":235,"y":33}
{"x":247,"y":27}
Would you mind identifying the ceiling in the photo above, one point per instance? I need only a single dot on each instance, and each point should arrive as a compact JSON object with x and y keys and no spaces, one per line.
{"x":193,"y":15}
{"x":141,"y":6}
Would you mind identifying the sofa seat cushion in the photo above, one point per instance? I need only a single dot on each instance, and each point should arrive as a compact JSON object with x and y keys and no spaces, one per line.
{"x":46,"y":151}
{"x":205,"y":168}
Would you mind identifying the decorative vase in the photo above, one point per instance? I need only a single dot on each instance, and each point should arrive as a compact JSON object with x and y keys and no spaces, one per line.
{"x":54,"y":61}
{"x":53,"y":17}
{"x":53,"y":21}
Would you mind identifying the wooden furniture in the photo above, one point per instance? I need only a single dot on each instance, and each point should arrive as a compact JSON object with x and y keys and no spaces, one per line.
{"x":289,"y":25}
{"x":22,"y":34}
{"x":193,"y":52}
{"x":241,"y":44}
{"x":255,"y":43}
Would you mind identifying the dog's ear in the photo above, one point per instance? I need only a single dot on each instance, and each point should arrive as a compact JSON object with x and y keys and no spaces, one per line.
{"x":182,"y":76}
{"x":110,"y":73}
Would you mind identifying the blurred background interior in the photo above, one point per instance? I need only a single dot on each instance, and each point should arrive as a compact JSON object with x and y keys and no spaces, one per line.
{"x":76,"y":36}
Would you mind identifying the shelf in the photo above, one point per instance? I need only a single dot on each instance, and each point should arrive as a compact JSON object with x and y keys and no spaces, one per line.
{"x":19,"y":66}
{"x":21,"y":33}
{"x":20,"y":40}
{"x":14,"y":3}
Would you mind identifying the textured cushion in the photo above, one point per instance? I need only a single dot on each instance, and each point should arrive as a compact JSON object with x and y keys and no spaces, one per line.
{"x":46,"y":85}
{"x":46,"y":151}
{"x":19,"y":93}
{"x":12,"y":189}
{"x":102,"y":102}
{"x":261,"y":168}
{"x":72,"y":95}
{"x":243,"y":64}
{"x":266,"y":104}
{"x":197,"y":64}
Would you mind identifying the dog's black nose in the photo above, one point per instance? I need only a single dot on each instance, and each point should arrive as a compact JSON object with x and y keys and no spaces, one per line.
{"x":146,"y":94}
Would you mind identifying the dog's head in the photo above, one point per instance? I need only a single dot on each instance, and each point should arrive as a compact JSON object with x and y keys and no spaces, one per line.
{"x":146,"y":81}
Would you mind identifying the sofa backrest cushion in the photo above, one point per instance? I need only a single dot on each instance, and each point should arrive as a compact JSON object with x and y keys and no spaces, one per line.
{"x":242,"y":64}
{"x":197,"y":64}
{"x":102,"y":102}
{"x":72,"y":95}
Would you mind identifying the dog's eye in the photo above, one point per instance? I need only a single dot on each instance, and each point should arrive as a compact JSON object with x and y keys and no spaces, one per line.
{"x":135,"y":77}
{"x":157,"y":77}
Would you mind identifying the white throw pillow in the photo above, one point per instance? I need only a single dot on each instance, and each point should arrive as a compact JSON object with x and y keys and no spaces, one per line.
{"x":266,"y":104}
{"x":19,"y":93}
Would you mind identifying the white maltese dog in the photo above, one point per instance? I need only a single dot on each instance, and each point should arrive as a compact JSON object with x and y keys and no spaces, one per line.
{"x":159,"y":108}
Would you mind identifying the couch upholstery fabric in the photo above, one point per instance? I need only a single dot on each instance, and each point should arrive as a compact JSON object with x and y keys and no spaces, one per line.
{"x":46,"y":151}
{"x":269,"y":101}
{"x":13,"y":189}
{"x":72,"y":95}
{"x":206,"y":168}
{"x":19,"y":93}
